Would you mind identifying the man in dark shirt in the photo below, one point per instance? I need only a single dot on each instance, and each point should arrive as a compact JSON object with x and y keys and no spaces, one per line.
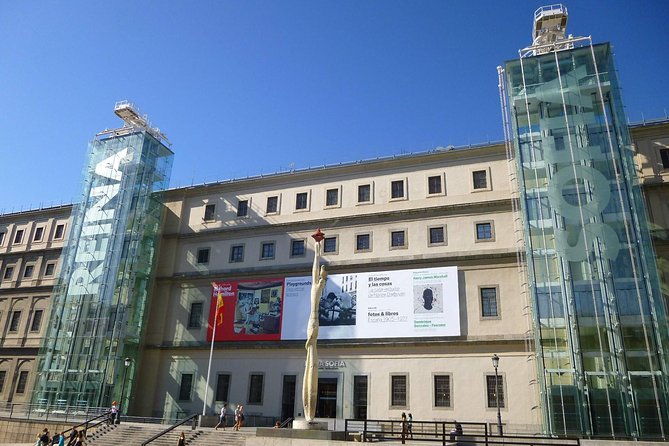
{"x":44,"y":439}
{"x":73,"y":437}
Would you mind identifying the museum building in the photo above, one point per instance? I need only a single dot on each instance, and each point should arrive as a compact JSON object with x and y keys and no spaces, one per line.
{"x":538,"y":249}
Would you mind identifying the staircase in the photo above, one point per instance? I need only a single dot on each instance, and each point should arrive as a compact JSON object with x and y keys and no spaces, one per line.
{"x":134,"y":434}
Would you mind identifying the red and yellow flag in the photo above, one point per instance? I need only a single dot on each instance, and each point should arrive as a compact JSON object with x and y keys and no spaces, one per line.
{"x":219,"y":306}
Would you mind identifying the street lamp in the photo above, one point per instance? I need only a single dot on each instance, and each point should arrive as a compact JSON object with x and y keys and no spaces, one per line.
{"x":495,"y":364}
{"x":127,"y":363}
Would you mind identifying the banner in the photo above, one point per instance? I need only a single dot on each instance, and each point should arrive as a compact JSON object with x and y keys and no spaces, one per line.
{"x":391,"y":304}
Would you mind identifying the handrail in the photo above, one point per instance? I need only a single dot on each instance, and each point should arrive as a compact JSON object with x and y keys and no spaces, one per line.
{"x":86,"y":423}
{"x":171,"y":428}
{"x":285,"y":422}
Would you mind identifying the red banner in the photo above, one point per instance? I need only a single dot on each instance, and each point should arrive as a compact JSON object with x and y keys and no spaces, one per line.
{"x":252,"y":310}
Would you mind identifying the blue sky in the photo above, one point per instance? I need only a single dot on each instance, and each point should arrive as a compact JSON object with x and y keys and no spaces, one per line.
{"x":254,"y":87}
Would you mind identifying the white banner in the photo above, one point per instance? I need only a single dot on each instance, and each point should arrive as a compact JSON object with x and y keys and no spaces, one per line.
{"x":390,"y":304}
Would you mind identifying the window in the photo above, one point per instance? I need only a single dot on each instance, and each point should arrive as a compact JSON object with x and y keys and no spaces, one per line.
{"x":16,"y":319}
{"x":437,"y":235}
{"x":236,"y":253}
{"x":365,"y":193}
{"x":267,"y":251}
{"x":332,"y":197}
{"x":18,"y":236}
{"x":330,"y":245}
{"x":484,"y":231}
{"x":480,"y":178}
{"x":50,"y":269}
{"x":222,"y":387}
{"x":494,"y":391}
{"x":442,"y":391}
{"x":195,"y":316}
{"x":39,"y":233}
{"x":2,"y":237}
{"x":397,"y":239}
{"x":297,"y":248}
{"x":363,"y":242}
{"x":28,"y":272}
{"x":37,"y":320}
{"x":301,"y":201}
{"x":272,"y":205}
{"x":186,"y":386}
{"x":9,"y":271}
{"x":397,"y":189}
{"x":360,"y":397}
{"x":398,"y":391}
{"x":434,"y":185}
{"x":209,"y":211}
{"x":60,"y":231}
{"x":203,"y":255}
{"x":23,"y":380}
{"x":664,"y":156}
{"x":489,"y":302}
{"x":255,"y":388}
{"x":3,"y":376}
{"x":242,"y":208}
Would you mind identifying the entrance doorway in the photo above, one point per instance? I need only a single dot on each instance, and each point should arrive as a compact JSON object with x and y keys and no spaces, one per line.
{"x":327,"y":398}
{"x":288,"y":397}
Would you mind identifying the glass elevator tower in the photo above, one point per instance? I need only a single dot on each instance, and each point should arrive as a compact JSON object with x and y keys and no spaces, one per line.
{"x":98,"y":309}
{"x":599,"y":320}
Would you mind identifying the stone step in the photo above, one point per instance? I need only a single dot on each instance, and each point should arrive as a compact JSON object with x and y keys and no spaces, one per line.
{"x":136,"y":434}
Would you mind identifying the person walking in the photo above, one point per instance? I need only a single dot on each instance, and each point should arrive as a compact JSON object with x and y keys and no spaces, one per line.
{"x":403,"y":417}
{"x":236,"y":426}
{"x":73,"y":437}
{"x":61,"y":439}
{"x":113,"y":413}
{"x":241,"y":417}
{"x":182,"y":440}
{"x":223,"y":418}
{"x":44,"y":439}
{"x":81,"y":437}
{"x":409,"y":422}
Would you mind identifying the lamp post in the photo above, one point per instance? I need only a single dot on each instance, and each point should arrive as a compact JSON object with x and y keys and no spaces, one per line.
{"x":126,"y":362}
{"x":495,"y":364}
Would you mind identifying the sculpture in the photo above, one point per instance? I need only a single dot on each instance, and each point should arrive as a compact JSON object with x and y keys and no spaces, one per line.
{"x":310,"y":382}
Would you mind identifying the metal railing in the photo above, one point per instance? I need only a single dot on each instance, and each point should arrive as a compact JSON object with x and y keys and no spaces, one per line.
{"x":443,"y":432}
{"x":54,"y":412}
{"x":192,"y":419}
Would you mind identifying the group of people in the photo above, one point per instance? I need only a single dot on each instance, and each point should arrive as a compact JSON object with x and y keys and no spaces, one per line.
{"x":76,"y":438}
{"x":407,"y":428}
{"x":239,"y":417}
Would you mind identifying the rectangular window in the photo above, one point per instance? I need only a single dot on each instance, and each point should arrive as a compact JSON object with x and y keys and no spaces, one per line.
{"x":664,"y":156}
{"x":60,"y":231}
{"x":267,"y":251}
{"x":195,"y":316}
{"x":332,"y":197}
{"x":480,"y":178}
{"x":360,"y":397}
{"x":23,"y":381}
{"x":330,"y":244}
{"x":272,"y":205}
{"x":222,"y":387}
{"x":397,"y":189}
{"x":363,"y":242}
{"x":434,"y":185}
{"x":494,"y":391}
{"x":437,"y":235}
{"x":297,"y":248}
{"x":9,"y":271}
{"x":397,"y":239}
{"x":442,"y":391}
{"x":242,"y":208}
{"x":39,"y":233}
{"x":209,"y":212}
{"x":28,"y":272}
{"x":364,"y":193}
{"x":489,"y":302}
{"x":256,"y":388}
{"x":203,"y":255}
{"x":186,"y":386}
{"x":2,"y":237}
{"x":14,"y":322}
{"x":398,"y":391}
{"x":18,"y":236}
{"x":236,"y":253}
{"x":3,"y":376}
{"x":301,"y":201}
{"x":50,"y":269}
{"x":484,"y":231}
{"x":37,"y":320}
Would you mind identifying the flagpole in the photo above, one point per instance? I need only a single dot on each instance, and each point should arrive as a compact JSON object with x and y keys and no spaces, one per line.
{"x":211,"y":354}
